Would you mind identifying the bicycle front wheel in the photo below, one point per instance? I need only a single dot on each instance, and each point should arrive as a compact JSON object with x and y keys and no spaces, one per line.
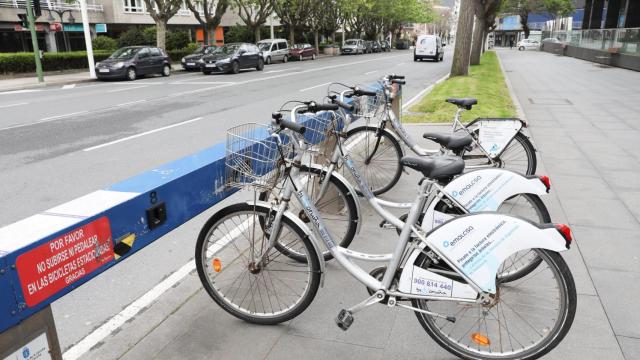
{"x":376,"y":154}
{"x":228,"y":253}
{"x":526,"y":320}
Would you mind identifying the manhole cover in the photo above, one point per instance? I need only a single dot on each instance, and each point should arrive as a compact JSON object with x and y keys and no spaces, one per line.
{"x":549,"y":101}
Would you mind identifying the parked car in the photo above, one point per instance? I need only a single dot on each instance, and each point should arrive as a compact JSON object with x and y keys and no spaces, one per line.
{"x":375,"y":46}
{"x":231,"y":58}
{"x":549,"y":41}
{"x":302,"y":51}
{"x":527,"y":44}
{"x":385,"y":46}
{"x":133,"y":61}
{"x":194,"y":61}
{"x":428,"y":47}
{"x":274,"y":50}
{"x":368,"y":46}
{"x":353,"y":46}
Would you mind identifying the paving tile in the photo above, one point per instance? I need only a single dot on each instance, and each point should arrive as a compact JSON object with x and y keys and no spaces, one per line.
{"x":632,"y":201}
{"x":610,"y":249}
{"x":622,"y":180}
{"x":292,"y":347}
{"x":568,"y":186}
{"x":630,"y":347}
{"x":604,"y":213}
{"x":619,"y":292}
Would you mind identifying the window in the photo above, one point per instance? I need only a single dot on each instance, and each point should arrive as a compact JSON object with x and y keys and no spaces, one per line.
{"x":155,"y":52}
{"x":282,"y":45}
{"x":134,"y":6}
{"x":143,"y":53}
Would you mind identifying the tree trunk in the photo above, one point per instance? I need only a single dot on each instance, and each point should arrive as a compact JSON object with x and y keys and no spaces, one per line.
{"x":484,"y":41}
{"x":256,"y":33}
{"x":478,"y":35}
{"x":161,"y":34}
{"x":291,"y":35}
{"x":524,"y":20}
{"x":205,"y":35}
{"x":315,"y":38}
{"x":460,"y":65}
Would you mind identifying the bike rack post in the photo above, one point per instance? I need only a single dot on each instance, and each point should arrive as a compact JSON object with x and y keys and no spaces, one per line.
{"x":396,"y":103}
{"x":36,"y":338}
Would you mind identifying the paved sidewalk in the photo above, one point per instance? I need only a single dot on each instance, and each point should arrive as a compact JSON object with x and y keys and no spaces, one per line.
{"x":72,"y":77}
{"x":585,"y":121}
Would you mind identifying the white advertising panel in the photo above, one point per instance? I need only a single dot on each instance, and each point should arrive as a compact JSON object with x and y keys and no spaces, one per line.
{"x":495,"y":135}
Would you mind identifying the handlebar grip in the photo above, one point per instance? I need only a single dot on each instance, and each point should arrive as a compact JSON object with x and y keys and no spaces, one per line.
{"x":321,"y":107}
{"x":286,"y":124}
{"x":394,"y":76}
{"x":401,"y":82}
{"x":360,"y":92}
{"x":345,"y":106}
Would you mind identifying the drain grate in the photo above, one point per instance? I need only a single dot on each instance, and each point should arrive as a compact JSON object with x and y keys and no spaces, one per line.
{"x":550,"y":101}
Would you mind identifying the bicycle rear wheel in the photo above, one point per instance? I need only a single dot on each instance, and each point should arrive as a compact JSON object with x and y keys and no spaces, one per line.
{"x":376,"y":154}
{"x":518,"y":156}
{"x":527,"y":319}
{"x":227,"y":250}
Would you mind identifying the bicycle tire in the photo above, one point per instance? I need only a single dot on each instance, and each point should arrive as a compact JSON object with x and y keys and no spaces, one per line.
{"x":351,"y":207}
{"x":549,"y":337}
{"x":311,"y":281}
{"x":394,"y":158}
{"x":503,"y":161}
{"x":531,"y":261}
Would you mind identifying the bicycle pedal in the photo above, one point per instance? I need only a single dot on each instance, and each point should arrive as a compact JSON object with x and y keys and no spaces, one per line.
{"x":387,"y":225}
{"x":344,"y":319}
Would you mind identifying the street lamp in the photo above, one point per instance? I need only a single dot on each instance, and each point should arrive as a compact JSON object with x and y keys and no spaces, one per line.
{"x":60,"y":13}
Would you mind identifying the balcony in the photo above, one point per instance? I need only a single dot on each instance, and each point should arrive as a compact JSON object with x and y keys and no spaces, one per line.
{"x":21,"y":4}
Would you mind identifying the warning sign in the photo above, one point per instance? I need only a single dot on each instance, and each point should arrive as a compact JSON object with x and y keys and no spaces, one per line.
{"x":52,"y":266}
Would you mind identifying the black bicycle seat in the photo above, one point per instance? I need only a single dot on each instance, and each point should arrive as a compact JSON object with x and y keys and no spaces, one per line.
{"x":441,"y":168}
{"x":455,"y":141}
{"x":467,"y":103}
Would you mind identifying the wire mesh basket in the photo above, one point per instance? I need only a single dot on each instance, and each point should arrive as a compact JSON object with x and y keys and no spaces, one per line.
{"x":320,"y":127}
{"x":254,"y":156}
{"x":369,"y":107}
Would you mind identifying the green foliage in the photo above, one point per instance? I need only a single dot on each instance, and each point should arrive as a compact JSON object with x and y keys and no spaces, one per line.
{"x":131,"y":37}
{"x":192,"y":46}
{"x":25,"y":62}
{"x":485,"y":82}
{"x":176,"y":55}
{"x":240,"y":33}
{"x":149,"y":35}
{"x":177,"y":40}
{"x":102,"y":42}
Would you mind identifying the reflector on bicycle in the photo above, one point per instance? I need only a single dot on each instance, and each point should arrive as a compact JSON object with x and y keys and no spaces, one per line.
{"x":217,"y":265}
{"x":480,"y":339}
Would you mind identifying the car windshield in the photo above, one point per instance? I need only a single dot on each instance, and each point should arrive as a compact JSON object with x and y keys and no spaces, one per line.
{"x":228,"y":49}
{"x":124,"y":53}
{"x":264,"y":46}
{"x":351,"y":42}
{"x":211,"y":50}
{"x":298,"y":46}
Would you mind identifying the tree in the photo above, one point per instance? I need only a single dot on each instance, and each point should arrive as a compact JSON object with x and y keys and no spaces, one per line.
{"x":485,"y":11}
{"x":161,"y":11}
{"x":294,"y":13}
{"x":333,"y":17}
{"x":254,"y":13}
{"x":525,"y":7}
{"x":461,"y":53}
{"x":212,"y":11}
{"x":316,"y":19}
{"x":399,"y":12}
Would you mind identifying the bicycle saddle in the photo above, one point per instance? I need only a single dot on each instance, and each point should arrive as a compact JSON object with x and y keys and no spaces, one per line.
{"x":441,"y":168}
{"x":452,"y":141}
{"x":467,"y":103}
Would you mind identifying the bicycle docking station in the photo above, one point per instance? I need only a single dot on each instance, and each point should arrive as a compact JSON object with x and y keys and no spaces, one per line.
{"x":48,"y":255}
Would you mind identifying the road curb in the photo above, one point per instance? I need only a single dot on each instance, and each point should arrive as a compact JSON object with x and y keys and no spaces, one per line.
{"x":424,"y":92}
{"x":512,"y":94}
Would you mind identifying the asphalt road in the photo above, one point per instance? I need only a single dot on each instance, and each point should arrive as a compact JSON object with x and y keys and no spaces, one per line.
{"x":56,"y":145}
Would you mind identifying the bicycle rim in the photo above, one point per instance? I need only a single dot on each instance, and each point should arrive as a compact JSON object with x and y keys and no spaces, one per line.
{"x":530,"y":317}
{"x":226,"y":254}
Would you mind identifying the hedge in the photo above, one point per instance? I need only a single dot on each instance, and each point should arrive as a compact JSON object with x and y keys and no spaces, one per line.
{"x":52,"y":61}
{"x":55,"y":61}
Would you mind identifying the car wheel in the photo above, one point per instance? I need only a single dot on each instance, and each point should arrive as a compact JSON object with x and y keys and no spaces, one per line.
{"x":313,"y":56}
{"x":235,"y":67}
{"x":268,"y":60}
{"x":415,"y":58}
{"x":131,"y":74}
{"x":207,"y":72}
{"x":285,"y":59}
{"x":521,"y":48}
{"x":166,"y":70}
{"x":260,"y":65}
{"x":300,"y":57}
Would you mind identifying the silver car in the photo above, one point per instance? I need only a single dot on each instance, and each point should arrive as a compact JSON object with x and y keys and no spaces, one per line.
{"x":353,"y":46}
{"x":274,"y":50}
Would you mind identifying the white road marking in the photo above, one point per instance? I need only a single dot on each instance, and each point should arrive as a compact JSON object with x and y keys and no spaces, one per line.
{"x":12,"y":105}
{"x":141,"y":134}
{"x":17,"y":92}
{"x":402,"y":63}
{"x":84,"y":345}
{"x":130,"y":103}
{"x":371,"y":72}
{"x":45,"y":120}
{"x":69,"y":86}
{"x":127,"y":88}
{"x":197,"y":90}
{"x":424,"y":91}
{"x":313,"y":87}
{"x":200,"y":83}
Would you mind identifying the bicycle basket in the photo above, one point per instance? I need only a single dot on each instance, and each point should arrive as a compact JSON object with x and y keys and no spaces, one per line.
{"x":253,"y":158}
{"x":368,"y":107}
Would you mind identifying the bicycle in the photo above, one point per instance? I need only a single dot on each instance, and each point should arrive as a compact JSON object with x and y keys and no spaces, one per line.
{"x":484,"y":142}
{"x":484,"y":189}
{"x":245,"y":274}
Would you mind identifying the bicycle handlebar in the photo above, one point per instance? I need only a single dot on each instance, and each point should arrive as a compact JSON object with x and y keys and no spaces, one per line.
{"x":401,"y":82}
{"x":286,"y":124}
{"x":345,"y":106}
{"x":394,"y":76}
{"x":360,"y":92}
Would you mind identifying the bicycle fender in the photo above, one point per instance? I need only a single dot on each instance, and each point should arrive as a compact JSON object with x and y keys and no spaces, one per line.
{"x":477,"y":244}
{"x":352,"y":193}
{"x":483,"y":190}
{"x":304,"y":228}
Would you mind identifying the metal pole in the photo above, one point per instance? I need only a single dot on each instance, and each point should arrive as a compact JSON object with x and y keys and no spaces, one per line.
{"x":87,"y":38}
{"x":271,"y":26}
{"x":34,"y":40}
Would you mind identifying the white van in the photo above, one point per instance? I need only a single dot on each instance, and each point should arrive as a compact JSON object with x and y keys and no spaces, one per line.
{"x":428,"y":47}
{"x":274,"y":50}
